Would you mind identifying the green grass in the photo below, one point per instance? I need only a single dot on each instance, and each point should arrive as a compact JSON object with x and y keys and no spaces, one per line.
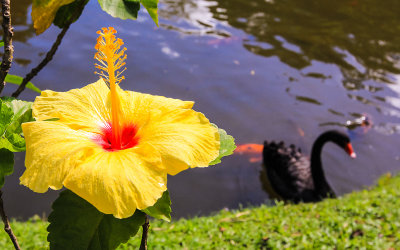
{"x":369,"y":219}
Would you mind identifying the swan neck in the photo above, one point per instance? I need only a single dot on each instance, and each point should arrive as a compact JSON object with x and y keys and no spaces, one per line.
{"x":317,"y":171}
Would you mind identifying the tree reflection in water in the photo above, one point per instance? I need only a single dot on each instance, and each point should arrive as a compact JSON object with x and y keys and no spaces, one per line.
{"x":360,"y":37}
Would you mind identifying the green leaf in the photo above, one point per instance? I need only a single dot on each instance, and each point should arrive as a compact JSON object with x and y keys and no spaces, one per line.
{"x":227,"y":145}
{"x":128,"y":9}
{"x":18,"y":80}
{"x":66,"y":12}
{"x":1,"y":43}
{"x":6,"y":164}
{"x":162,"y":208}
{"x":12,"y":114}
{"x":124,"y":9}
{"x":151,"y":6}
{"x":6,"y":115}
{"x":76,"y":224}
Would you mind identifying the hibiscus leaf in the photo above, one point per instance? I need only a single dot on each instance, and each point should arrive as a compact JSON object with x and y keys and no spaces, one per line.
{"x":162,"y":208}
{"x":151,"y":7}
{"x":66,"y":12}
{"x":76,"y":224}
{"x":44,"y":12}
{"x":124,"y":9}
{"x":6,"y":115}
{"x":128,"y":9}
{"x":227,"y":145}
{"x":112,"y":231}
{"x":12,"y":114}
{"x":6,"y":164}
{"x":18,"y":80}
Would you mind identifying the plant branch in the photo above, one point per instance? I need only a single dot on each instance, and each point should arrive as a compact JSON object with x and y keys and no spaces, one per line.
{"x":7,"y":226}
{"x":146,"y":225}
{"x":7,"y":38}
{"x":50,"y":53}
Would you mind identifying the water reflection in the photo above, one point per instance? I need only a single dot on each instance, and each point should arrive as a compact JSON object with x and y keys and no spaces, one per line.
{"x":23,"y":26}
{"x":360,"y":37}
{"x":191,"y":17}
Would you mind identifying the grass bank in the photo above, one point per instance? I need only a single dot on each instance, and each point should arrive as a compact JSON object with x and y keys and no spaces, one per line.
{"x":369,"y":219}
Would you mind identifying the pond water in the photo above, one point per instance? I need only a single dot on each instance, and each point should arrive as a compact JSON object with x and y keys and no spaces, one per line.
{"x":262,"y":69}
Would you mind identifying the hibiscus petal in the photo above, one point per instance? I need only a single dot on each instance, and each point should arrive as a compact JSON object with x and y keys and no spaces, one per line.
{"x":142,"y":100}
{"x":83,"y":108}
{"x":52,"y":150}
{"x":139,"y":107}
{"x":119,"y":182}
{"x":183,"y":137}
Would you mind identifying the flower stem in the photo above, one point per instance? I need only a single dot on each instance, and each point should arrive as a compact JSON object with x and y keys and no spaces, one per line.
{"x":7,"y":226}
{"x":7,"y":38}
{"x":42,"y":64}
{"x":146,"y":225}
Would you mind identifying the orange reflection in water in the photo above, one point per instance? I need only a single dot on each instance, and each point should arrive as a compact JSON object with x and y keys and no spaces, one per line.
{"x":253,"y":151}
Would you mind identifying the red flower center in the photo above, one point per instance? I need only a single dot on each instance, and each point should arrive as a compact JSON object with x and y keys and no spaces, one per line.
{"x":108,"y":141}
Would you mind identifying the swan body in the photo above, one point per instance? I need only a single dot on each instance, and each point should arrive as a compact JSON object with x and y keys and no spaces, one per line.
{"x":291,"y":174}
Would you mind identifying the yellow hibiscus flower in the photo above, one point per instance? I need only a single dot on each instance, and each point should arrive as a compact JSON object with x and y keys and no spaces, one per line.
{"x":114,"y":148}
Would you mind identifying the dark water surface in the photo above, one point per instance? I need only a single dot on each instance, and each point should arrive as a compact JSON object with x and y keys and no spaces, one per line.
{"x":261,"y":69}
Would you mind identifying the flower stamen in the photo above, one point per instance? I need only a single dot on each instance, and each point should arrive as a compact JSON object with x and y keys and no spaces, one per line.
{"x":111,"y":58}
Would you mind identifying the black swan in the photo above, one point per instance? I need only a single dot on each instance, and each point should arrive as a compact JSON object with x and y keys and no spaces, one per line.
{"x":293,"y":177}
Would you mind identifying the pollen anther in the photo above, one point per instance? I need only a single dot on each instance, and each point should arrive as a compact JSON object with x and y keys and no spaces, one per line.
{"x":110,"y":55}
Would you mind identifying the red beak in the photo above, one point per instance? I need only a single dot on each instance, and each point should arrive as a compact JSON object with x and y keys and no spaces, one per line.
{"x":349,"y":150}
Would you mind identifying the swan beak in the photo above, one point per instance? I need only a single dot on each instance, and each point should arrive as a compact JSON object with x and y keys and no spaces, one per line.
{"x":349,"y":150}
